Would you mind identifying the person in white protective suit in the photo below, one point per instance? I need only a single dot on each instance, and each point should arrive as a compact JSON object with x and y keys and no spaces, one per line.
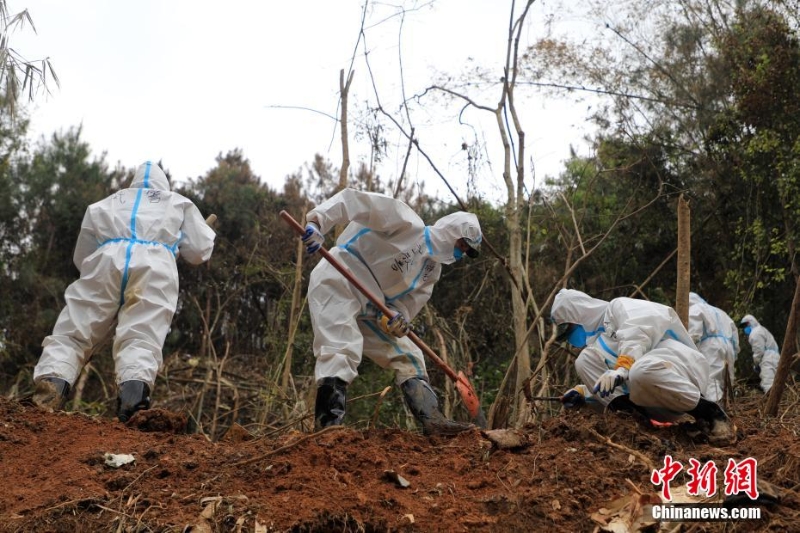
{"x":716,"y":336}
{"x":766,"y":352}
{"x":636,"y":356}
{"x":126,"y":253}
{"x":391,"y":251}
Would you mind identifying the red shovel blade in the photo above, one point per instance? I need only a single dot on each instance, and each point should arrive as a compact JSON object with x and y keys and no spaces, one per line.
{"x":467,"y":392}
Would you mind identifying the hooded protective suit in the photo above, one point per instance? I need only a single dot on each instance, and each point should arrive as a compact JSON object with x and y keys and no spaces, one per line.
{"x":716,"y":336}
{"x":391,"y":251}
{"x":766,"y":353}
{"x":126,"y":253}
{"x":668,"y":374}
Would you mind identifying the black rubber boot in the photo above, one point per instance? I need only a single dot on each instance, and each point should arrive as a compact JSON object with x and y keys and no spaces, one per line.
{"x":133,"y":396}
{"x":51,"y":393}
{"x":720,"y":428}
{"x":331,"y":403}
{"x":623,"y":404}
{"x":424,"y":405}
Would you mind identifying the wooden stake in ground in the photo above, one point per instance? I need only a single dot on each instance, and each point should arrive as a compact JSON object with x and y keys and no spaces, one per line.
{"x":684,"y":260}
{"x":788,"y":351}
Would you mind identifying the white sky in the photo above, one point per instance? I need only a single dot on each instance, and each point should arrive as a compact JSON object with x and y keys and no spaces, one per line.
{"x":185,"y":80}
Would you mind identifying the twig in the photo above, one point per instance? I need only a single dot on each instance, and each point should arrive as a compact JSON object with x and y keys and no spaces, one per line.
{"x":643,"y":458}
{"x":218,"y":400}
{"x":138,"y":478}
{"x":279,"y":429}
{"x":299,"y":419}
{"x":378,"y":406}
{"x":109,"y":509}
{"x":92,"y":501}
{"x":789,"y":409}
{"x":636,"y":489}
{"x":283,"y":448}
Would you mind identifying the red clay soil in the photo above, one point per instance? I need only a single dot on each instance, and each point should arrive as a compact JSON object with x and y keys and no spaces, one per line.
{"x":554,"y":478}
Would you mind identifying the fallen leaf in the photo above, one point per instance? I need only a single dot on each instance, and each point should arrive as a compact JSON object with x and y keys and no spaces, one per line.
{"x":506,"y":439}
{"x":627,"y":514}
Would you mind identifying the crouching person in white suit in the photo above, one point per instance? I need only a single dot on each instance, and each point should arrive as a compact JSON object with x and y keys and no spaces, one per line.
{"x":636,"y":355}
{"x":766,"y":353}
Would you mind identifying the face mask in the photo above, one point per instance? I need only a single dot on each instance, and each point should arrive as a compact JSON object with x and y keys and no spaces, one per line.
{"x":457,"y":253}
{"x":747,"y":330}
{"x":577,"y":337}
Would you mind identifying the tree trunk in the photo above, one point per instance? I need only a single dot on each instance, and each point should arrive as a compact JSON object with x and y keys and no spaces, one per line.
{"x":788,"y":351}
{"x":684,"y":260}
{"x":519,"y":409}
{"x":344,"y":89}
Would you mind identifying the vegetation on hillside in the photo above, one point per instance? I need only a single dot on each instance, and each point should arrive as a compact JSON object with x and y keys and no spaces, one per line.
{"x":704,"y":108}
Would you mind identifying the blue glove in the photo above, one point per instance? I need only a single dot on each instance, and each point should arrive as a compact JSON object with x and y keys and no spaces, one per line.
{"x":573,"y":398}
{"x":312,"y":238}
{"x":610,"y":380}
{"x":396,"y":326}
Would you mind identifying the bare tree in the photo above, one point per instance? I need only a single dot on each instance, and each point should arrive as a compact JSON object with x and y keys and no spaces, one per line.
{"x":17,"y":74}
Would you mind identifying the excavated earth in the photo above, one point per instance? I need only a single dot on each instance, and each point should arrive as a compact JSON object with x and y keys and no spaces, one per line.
{"x":67,"y":472}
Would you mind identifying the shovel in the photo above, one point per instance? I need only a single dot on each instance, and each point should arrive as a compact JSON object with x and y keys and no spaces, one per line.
{"x":463,"y":385}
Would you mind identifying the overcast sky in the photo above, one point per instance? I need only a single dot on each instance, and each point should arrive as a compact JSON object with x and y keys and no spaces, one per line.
{"x":182,"y":81}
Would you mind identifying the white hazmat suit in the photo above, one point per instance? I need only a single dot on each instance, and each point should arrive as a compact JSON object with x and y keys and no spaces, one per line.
{"x":667,"y":375}
{"x":716,"y":336}
{"x":766,"y":353}
{"x":126,"y":253}
{"x":391,"y":251}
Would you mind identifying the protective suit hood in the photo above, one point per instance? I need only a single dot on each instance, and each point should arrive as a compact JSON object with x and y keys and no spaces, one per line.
{"x":695,"y":299}
{"x":149,"y":176}
{"x":576,"y":307}
{"x":447,"y":230}
{"x":749,"y":320}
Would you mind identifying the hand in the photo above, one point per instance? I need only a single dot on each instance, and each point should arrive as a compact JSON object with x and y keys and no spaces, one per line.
{"x":609,"y":381}
{"x":312,"y":238}
{"x":573,"y":398}
{"x":396,"y":326}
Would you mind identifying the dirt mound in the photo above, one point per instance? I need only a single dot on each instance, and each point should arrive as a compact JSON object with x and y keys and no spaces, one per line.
{"x":57,"y":475}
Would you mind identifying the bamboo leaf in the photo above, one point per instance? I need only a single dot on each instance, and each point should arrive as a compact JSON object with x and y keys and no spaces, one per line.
{"x":27,"y":77}
{"x":30,"y":20}
{"x":53,"y":73}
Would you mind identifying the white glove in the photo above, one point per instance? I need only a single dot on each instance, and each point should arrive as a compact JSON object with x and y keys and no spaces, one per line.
{"x":312,"y":238}
{"x":609,"y":381}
